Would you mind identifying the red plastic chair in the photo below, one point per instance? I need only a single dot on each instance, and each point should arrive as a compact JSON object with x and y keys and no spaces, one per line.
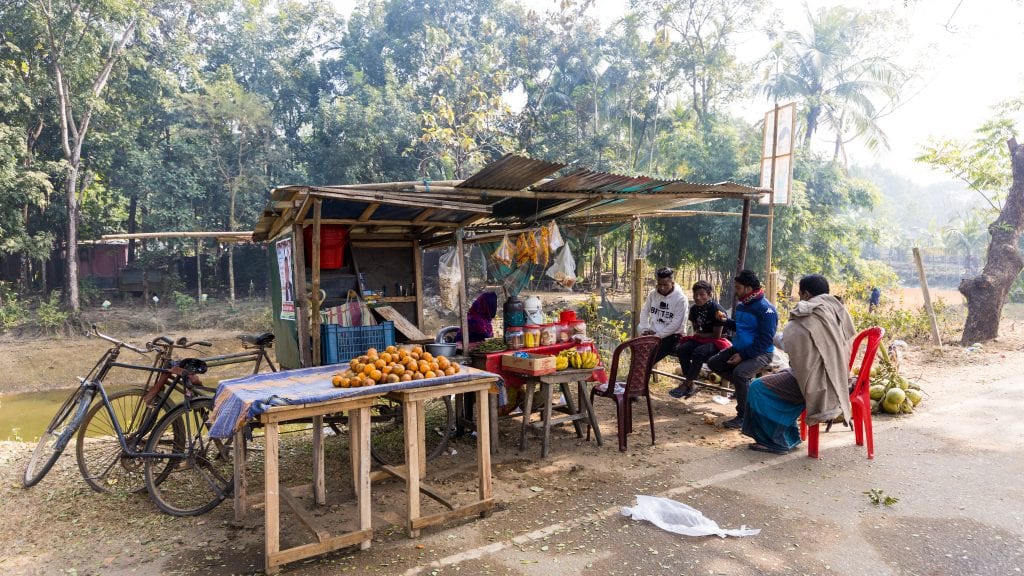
{"x":860,"y":398}
{"x":642,"y":353}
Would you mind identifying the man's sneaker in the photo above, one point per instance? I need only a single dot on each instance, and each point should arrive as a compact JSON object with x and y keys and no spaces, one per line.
{"x":736,"y":423}
{"x":678,"y":391}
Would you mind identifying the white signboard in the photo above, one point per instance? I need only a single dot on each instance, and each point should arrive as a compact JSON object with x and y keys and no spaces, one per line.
{"x":777,"y":151}
{"x":284,"y":268}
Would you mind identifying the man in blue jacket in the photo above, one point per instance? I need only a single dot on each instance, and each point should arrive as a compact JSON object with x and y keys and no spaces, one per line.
{"x":754,"y":323}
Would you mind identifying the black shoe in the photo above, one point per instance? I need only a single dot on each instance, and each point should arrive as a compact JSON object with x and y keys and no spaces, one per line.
{"x":736,"y":423}
{"x":680,"y":391}
{"x":692,"y":391}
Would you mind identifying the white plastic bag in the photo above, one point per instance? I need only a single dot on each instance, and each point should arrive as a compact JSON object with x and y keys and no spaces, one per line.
{"x":449,"y":276}
{"x":563,"y":270}
{"x":679,"y":518}
{"x":555,"y":240}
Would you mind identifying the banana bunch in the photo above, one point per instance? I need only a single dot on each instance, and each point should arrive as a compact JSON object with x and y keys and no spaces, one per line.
{"x":561,"y":362}
{"x":581,"y":359}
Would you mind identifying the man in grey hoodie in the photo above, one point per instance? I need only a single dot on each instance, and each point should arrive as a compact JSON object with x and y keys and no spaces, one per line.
{"x":664,"y":312}
{"x":818,"y":339}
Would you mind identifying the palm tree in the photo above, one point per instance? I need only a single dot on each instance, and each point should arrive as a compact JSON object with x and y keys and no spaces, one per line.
{"x":842,"y":87}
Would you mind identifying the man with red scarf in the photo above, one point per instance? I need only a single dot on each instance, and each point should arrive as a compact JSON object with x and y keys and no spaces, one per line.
{"x":755,"y":322}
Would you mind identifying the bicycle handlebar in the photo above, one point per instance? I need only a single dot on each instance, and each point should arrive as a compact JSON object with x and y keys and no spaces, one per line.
{"x":96,"y":332}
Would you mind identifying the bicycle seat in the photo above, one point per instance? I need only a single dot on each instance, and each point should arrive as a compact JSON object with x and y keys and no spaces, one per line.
{"x":193,"y":365}
{"x":257,"y":339}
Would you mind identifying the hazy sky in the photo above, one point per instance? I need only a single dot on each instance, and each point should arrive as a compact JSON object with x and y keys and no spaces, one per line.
{"x":964,"y":53}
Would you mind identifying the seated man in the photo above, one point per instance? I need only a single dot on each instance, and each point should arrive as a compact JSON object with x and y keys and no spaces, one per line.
{"x":817,"y":338}
{"x":706,"y":341}
{"x":663,"y":313}
{"x":751,"y":349}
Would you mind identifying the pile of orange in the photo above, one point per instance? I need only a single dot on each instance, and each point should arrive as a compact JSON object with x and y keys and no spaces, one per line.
{"x":393,"y":365}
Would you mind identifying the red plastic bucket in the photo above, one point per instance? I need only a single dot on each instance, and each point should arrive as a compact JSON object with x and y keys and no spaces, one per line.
{"x":333,"y":239}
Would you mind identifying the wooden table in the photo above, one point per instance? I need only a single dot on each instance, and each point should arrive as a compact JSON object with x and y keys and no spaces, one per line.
{"x":574,"y":412}
{"x":414,"y":469}
{"x":358,"y":410}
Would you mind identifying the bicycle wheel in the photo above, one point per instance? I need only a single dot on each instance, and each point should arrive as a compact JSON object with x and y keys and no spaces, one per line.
{"x":101,"y":460}
{"x":387,"y":434}
{"x":53,"y":441}
{"x":196,"y":472}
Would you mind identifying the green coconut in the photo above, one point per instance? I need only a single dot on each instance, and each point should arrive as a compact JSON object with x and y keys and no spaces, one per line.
{"x":890,"y":408}
{"x":907,"y":406}
{"x":877,"y":391}
{"x":914,"y":396}
{"x":895,"y":395}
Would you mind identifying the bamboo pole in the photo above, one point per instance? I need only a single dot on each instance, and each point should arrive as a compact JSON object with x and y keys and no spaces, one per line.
{"x":463,"y":318}
{"x":927,"y":297}
{"x":771,"y":202}
{"x":299,"y":294}
{"x":315,"y":310}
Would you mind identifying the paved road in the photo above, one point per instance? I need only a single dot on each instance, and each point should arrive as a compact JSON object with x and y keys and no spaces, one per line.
{"x":956,"y":467}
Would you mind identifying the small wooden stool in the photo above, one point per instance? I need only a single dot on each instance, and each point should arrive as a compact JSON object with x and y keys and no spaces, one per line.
{"x":573,"y":412}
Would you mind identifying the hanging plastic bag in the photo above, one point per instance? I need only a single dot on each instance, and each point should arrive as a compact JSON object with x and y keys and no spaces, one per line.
{"x":555,"y":240}
{"x":679,"y":518}
{"x":542,"y":238}
{"x":505,"y":252}
{"x":526,"y":249}
{"x":563,"y":270}
{"x":449,"y":276}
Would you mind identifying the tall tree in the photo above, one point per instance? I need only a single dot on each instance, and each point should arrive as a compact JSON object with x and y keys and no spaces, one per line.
{"x":83,"y":41}
{"x":836,"y":68}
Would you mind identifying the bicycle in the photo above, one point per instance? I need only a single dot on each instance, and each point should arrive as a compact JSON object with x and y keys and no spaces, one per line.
{"x":103,"y":464}
{"x":178,"y":443}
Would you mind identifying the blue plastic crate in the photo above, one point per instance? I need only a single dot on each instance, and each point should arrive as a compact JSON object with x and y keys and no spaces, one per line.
{"x":342,"y":343}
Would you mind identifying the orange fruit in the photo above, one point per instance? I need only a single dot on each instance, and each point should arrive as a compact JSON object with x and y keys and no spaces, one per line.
{"x":385,"y":356}
{"x":367,"y":369}
{"x":411,"y":364}
{"x":346,"y":382}
{"x":449,"y":370}
{"x":406,"y":377}
{"x":371,"y":352}
{"x":456,"y":367}
{"x":429,"y":374}
{"x":379,"y":363}
{"x":391,"y":349}
{"x":423,"y":366}
{"x":368,"y":382}
{"x":415,"y":355}
{"x":392,"y":379}
{"x":376,"y":375}
{"x":417,"y":350}
{"x":387,"y":369}
{"x":336,"y":381}
{"x":398,"y":369}
{"x":352,"y":363}
{"x":427,"y":356}
{"x":442,"y":362}
{"x":417,"y":376}
{"x":434,"y":366}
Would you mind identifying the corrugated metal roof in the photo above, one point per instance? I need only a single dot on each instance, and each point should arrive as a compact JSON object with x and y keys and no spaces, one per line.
{"x":511,"y":172}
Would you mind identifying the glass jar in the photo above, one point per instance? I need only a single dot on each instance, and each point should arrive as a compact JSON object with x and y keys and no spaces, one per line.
{"x":564,"y":332}
{"x":531,"y":336}
{"x":514,"y":338}
{"x":548,"y":334}
{"x":579,"y":328}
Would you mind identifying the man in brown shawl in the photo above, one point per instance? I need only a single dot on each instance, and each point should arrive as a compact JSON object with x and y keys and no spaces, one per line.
{"x":817,"y":339}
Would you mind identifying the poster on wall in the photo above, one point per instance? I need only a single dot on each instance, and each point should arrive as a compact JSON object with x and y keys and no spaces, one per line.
{"x":284,"y":268}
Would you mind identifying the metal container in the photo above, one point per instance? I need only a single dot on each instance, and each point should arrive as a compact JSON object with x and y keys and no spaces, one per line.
{"x":440,"y":349}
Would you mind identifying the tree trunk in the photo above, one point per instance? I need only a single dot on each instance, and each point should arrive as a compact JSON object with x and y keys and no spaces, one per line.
{"x":615,"y":267}
{"x":598,"y":263}
{"x":231,"y":273}
{"x":71,"y":265}
{"x":987,"y":292}
{"x":133,"y":218}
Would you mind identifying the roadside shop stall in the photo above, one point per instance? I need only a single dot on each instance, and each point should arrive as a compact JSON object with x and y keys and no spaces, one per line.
{"x":347,"y":267}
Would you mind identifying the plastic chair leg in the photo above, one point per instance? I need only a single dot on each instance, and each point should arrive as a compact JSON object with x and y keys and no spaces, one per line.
{"x":621,"y":406}
{"x":650,"y":416}
{"x":869,"y":435}
{"x":812,"y":441}
{"x":803,"y":426}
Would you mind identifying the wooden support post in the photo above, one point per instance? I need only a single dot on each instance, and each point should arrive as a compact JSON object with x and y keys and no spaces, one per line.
{"x":199,"y":270}
{"x":315,"y":295}
{"x":463,"y":307}
{"x":927,"y":297}
{"x":636,"y":277}
{"x":272,"y":503}
{"x":319,"y":487}
{"x":299,"y":294}
{"x":638,"y":295}
{"x":417,"y":270}
{"x":241,"y":492}
{"x":741,"y":256}
{"x":483,"y":452}
{"x":362,"y":442}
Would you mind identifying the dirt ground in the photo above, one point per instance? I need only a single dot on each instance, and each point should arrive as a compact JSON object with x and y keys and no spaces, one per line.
{"x":60,"y":526}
